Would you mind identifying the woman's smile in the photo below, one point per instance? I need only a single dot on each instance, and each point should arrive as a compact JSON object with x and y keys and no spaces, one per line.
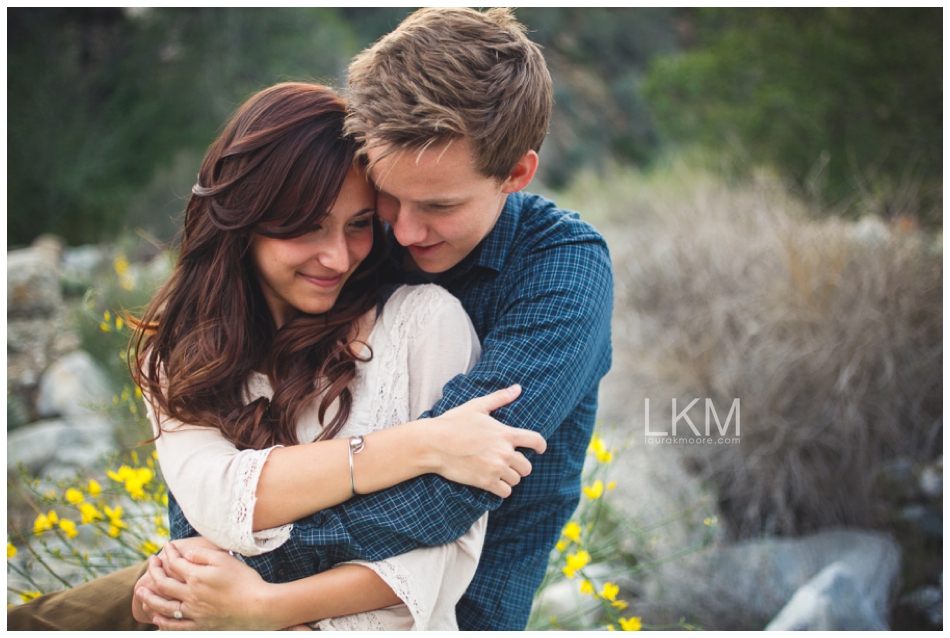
{"x":322,"y":282}
{"x":306,"y":273}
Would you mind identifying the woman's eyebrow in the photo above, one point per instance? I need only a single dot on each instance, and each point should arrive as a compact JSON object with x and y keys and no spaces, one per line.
{"x":363,"y":212}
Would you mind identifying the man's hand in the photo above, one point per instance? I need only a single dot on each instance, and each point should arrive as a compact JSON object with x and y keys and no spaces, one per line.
{"x":210,"y":588}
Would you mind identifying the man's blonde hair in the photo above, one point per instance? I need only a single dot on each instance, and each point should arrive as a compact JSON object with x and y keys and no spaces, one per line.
{"x":449,"y":73}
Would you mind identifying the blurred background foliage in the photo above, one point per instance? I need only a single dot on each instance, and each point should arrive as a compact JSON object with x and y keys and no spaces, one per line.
{"x":110,"y":110}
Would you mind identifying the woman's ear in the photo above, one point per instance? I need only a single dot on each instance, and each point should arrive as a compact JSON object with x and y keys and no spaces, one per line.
{"x":522,"y":173}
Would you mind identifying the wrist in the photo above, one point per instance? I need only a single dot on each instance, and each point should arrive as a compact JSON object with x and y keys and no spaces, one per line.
{"x":427,"y":452}
{"x":266,"y":608}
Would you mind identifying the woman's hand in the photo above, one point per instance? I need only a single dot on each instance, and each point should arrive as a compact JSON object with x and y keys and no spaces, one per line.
{"x":211,"y":589}
{"x":475,"y":449}
{"x":142,"y":612}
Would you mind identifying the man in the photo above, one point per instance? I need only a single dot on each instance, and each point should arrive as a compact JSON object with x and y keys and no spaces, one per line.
{"x":452,"y":108}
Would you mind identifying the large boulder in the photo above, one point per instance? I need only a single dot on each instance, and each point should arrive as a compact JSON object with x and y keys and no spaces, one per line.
{"x":33,"y":286}
{"x":834,"y":600}
{"x":45,"y":446}
{"x":747,"y":584}
{"x":73,"y":385}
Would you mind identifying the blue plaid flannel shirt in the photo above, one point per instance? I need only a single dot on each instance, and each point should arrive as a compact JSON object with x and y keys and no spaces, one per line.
{"x":539,"y":290}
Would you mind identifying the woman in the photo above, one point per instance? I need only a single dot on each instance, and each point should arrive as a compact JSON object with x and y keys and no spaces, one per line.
{"x":278,"y":372}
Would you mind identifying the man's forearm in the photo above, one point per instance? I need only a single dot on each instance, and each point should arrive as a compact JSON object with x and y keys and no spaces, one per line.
{"x":425,"y":511}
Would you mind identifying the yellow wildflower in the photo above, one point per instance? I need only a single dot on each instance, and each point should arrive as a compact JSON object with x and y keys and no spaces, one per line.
{"x":596,"y":445}
{"x":619,"y":604}
{"x":68,"y":527}
{"x":165,"y":500}
{"x":610,"y":591}
{"x":575,"y":562}
{"x":605,"y":457}
{"x":107,"y":315}
{"x":115,"y":399}
{"x":119,"y":323}
{"x":587,"y":587}
{"x":561,"y":546}
{"x":611,"y":485}
{"x":134,"y":454}
{"x":74,"y":496}
{"x":138,"y":395}
{"x":11,"y":550}
{"x":89,"y":513}
{"x":134,"y":480}
{"x":121,"y":265}
{"x":610,"y":628}
{"x":573,"y":531}
{"x":148,"y":547}
{"x":51,"y":495}
{"x":27,"y":596}
{"x":115,"y":522}
{"x":595,"y":491}
{"x":630,"y":624}
{"x":94,"y":488}
{"x":45,"y":522}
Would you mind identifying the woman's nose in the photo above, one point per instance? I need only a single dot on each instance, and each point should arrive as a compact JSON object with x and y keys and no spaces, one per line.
{"x":334,"y":253}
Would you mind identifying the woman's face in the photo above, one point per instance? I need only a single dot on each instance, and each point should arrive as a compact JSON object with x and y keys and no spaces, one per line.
{"x":306,"y":273}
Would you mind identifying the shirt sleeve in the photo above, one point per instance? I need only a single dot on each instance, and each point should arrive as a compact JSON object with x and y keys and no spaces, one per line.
{"x":191,"y":455}
{"x":552,"y":337}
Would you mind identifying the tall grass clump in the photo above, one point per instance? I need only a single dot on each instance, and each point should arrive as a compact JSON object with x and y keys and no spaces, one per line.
{"x":830,"y":333}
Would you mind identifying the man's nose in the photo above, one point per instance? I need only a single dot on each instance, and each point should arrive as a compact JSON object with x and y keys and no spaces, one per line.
{"x":407,"y":228}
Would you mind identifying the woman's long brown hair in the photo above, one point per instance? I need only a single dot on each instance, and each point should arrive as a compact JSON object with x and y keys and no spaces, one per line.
{"x":281,"y":159}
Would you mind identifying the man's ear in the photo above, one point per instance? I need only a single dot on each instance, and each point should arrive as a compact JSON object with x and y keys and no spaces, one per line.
{"x":521,"y":174}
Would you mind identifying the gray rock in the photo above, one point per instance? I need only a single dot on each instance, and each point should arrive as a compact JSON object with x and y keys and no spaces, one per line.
{"x":929,"y":601}
{"x":35,"y":445}
{"x":931,"y":479}
{"x":73,"y":385}
{"x":80,"y":263}
{"x":33,"y":287}
{"x":834,"y":600}
{"x":74,"y":442}
{"x":745,"y":585}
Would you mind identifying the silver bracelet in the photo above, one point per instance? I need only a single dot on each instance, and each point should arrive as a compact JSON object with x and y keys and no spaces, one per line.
{"x":355,"y":447}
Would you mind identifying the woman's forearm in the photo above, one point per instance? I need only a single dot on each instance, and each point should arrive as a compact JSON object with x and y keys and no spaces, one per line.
{"x":300,"y":480}
{"x":341,"y":591}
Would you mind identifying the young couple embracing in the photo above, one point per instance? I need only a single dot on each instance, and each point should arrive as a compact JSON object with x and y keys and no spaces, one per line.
{"x":368,"y":426}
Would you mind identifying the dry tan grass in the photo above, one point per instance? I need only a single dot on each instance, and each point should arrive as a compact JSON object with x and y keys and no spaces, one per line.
{"x":829,"y":332}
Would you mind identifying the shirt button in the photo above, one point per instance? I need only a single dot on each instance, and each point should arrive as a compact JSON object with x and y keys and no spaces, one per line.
{"x":281,"y":574}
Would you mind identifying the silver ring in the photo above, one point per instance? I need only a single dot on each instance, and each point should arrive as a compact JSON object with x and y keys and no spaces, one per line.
{"x":177,"y":615}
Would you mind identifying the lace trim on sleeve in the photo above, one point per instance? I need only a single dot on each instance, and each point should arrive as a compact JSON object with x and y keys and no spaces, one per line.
{"x":243,"y":498}
{"x":400,"y":580}
{"x":367,"y":621}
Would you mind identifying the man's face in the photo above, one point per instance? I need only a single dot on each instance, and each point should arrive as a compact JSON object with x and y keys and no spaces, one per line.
{"x":437,"y":204}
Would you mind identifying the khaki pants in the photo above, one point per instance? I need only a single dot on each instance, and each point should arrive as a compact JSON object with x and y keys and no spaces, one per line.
{"x":104,"y":604}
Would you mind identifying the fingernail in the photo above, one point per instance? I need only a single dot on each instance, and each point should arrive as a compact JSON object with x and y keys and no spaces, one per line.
{"x":515,"y":388}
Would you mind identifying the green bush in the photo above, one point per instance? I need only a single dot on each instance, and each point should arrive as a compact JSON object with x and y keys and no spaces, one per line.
{"x":834,"y":98}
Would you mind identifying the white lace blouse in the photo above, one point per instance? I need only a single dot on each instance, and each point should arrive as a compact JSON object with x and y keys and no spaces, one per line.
{"x":420,"y":341}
